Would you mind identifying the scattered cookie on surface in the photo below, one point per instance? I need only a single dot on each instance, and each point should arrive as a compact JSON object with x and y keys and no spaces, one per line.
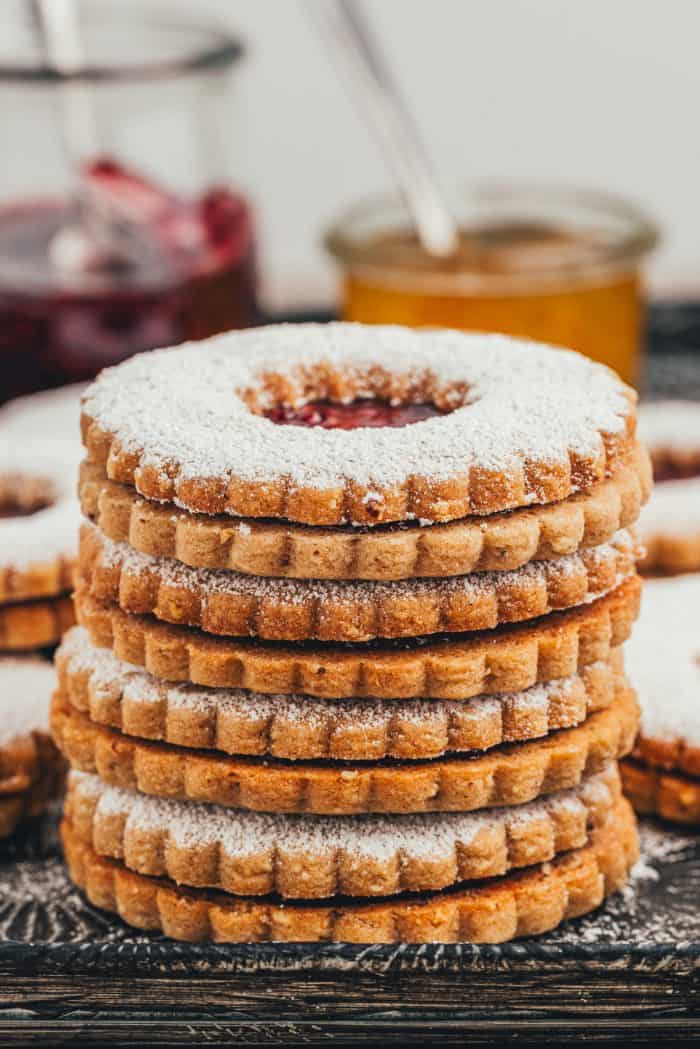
{"x":669,"y":526}
{"x":39,"y":513}
{"x":31,"y":769}
{"x":663,"y":660}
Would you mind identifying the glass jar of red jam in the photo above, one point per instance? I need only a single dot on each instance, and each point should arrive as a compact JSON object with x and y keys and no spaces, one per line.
{"x":162,"y":110}
{"x":557,"y":265}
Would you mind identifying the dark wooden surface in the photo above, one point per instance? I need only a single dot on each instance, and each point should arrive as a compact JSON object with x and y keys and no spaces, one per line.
{"x":71,"y":975}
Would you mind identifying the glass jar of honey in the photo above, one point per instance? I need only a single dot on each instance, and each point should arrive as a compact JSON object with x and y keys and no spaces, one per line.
{"x":561,"y":266}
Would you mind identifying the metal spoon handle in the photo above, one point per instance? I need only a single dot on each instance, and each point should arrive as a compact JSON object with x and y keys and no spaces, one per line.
{"x":58,"y":26}
{"x":57,"y":21}
{"x":389,"y":117}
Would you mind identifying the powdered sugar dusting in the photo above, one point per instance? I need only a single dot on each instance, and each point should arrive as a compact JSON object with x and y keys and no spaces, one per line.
{"x":248,"y":833}
{"x":113,"y":677}
{"x":670,"y":425}
{"x":655,"y":906}
{"x":673,"y":510}
{"x":25,"y":692}
{"x":674,"y":507}
{"x":55,"y":413}
{"x":179,"y":407}
{"x":663,"y":659}
{"x":205,"y":581}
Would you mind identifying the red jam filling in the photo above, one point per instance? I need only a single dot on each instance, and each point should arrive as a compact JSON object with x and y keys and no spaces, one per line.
{"x":358,"y":414}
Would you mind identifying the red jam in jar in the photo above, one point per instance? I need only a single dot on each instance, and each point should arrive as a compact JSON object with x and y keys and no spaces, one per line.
{"x":191,"y":275}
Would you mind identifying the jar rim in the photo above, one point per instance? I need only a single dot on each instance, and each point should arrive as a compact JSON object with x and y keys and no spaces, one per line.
{"x":631,"y":235}
{"x":220,"y":48}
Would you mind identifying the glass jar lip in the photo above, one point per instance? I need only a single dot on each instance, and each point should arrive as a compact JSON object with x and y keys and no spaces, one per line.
{"x":636,"y":237}
{"x":222,"y":48}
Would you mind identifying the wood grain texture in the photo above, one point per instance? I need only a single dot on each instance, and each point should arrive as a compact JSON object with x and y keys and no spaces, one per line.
{"x":71,"y":975}
{"x":490,"y":1010}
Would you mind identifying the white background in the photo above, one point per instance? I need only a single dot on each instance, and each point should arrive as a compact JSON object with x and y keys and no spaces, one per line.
{"x":592,"y":92}
{"x":599,"y":92}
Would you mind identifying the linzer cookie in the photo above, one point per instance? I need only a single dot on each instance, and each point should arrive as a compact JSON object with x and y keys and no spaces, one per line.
{"x":31,"y":770}
{"x":16,"y":809}
{"x":510,"y":775}
{"x":491,"y":911}
{"x":328,"y":424}
{"x":121,"y":696}
{"x":670,"y":524}
{"x":39,"y":516}
{"x":35,"y":624}
{"x":671,"y":432}
{"x":228,"y":603}
{"x":306,"y":857}
{"x":453,"y":667}
{"x":500,"y":542}
{"x":654,"y":791}
{"x":664,"y":665}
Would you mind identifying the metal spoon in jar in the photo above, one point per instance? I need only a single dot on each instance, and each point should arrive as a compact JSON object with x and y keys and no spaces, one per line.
{"x":386,"y":112}
{"x":95,"y":237}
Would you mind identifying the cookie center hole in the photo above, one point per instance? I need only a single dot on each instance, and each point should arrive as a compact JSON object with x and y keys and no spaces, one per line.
{"x":22,"y":496}
{"x":327,"y":397}
{"x":368,"y":412}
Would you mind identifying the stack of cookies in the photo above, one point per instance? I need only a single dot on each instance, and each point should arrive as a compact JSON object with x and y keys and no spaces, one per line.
{"x":39,"y":517}
{"x":351,"y":602}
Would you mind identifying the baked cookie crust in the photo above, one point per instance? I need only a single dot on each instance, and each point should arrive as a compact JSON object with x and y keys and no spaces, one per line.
{"x":512,"y":775}
{"x":235,"y":721}
{"x":500,"y":542}
{"x":522,"y":904}
{"x":246,"y":853}
{"x":236,"y":605}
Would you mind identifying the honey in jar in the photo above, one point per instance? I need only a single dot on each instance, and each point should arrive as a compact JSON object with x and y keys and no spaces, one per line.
{"x":559,"y":267}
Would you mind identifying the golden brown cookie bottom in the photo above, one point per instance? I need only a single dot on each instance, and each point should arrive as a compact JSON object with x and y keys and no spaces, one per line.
{"x":509,"y":775}
{"x":671,"y":553}
{"x":498,"y":542}
{"x":48,"y":579}
{"x":655,"y":791}
{"x":35,"y":624}
{"x":312,"y":857}
{"x":22,"y":761}
{"x":234,"y":605}
{"x":453,"y":667}
{"x":524,"y":904}
{"x":670,"y":755}
{"x":303,"y":728}
{"x":31,"y":802}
